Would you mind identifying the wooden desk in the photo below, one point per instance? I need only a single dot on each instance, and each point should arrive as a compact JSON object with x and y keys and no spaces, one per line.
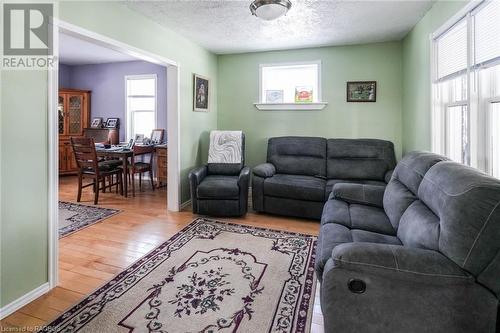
{"x":124,"y":156}
{"x":161,"y":165}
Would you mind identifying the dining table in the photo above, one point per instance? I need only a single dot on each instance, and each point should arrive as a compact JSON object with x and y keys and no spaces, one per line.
{"x":123,"y":154}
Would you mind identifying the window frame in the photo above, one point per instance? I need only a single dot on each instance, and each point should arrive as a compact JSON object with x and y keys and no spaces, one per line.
{"x":478,"y":136}
{"x":129,"y":113}
{"x":318,"y":105}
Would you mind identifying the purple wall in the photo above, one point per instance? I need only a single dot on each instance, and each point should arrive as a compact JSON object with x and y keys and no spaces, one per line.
{"x":64,"y":76}
{"x":107,"y":83}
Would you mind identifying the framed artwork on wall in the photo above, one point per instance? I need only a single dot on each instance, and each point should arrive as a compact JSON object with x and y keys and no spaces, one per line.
{"x":201,"y":93}
{"x":361,"y":91}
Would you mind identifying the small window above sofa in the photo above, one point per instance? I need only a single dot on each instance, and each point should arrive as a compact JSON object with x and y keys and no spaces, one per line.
{"x":290,"y":86}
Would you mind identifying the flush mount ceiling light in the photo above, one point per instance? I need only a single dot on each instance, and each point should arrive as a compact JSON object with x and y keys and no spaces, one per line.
{"x":270,"y":9}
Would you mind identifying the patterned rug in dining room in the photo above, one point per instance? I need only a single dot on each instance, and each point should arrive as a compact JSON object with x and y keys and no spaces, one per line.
{"x":74,"y":217}
{"x":210,"y":277}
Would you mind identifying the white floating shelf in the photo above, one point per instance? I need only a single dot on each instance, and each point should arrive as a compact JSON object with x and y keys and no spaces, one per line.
{"x":290,"y":106}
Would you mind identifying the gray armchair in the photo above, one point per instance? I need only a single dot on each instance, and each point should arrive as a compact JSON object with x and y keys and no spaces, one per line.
{"x":221,"y":189}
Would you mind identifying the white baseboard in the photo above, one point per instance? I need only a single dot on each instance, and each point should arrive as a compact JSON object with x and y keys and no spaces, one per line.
{"x":185,"y":204}
{"x":23,"y":300}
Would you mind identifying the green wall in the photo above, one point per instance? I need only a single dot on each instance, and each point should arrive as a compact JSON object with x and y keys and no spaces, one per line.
{"x":239,"y":89}
{"x":24,"y":141}
{"x":24,"y":170}
{"x":416,"y":76}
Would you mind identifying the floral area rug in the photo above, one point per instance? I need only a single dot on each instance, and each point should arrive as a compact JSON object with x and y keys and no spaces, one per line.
{"x":210,"y":277}
{"x":74,"y":217}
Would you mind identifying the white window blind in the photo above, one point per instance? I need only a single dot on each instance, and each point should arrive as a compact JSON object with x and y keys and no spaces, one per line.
{"x":452,"y":50}
{"x":487,"y":33}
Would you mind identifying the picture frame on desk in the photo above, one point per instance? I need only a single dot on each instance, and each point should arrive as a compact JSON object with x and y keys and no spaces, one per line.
{"x":157,"y":136}
{"x":113,"y":123}
{"x":96,"y":122}
{"x":139,"y":138}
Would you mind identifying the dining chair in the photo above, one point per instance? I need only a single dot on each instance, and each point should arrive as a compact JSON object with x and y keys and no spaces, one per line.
{"x":90,"y":167}
{"x":142,"y":165}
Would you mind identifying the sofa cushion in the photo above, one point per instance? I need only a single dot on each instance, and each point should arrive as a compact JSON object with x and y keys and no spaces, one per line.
{"x":419,"y":227}
{"x":291,"y":207}
{"x":330,"y":183}
{"x":356,"y":216}
{"x":402,"y":190}
{"x":295,"y":187}
{"x":218,"y":187}
{"x":467,"y":203}
{"x":228,"y":169}
{"x":298,"y":155}
{"x":359,"y":158}
{"x":333,"y":234}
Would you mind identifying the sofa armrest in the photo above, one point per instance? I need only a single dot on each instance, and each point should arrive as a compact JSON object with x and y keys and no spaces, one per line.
{"x":372,"y":195}
{"x":398,"y":262}
{"x":388,"y":176}
{"x":244,"y":178}
{"x":196,"y":176}
{"x":265,"y":170}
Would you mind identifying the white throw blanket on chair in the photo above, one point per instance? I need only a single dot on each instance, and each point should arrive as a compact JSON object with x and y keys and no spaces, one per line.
{"x":225,"y":147}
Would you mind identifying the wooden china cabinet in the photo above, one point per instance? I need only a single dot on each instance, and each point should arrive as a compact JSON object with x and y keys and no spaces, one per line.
{"x":74,"y":115}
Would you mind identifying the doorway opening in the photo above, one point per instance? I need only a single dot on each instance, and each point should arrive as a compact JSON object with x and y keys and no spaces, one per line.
{"x":120,"y":104}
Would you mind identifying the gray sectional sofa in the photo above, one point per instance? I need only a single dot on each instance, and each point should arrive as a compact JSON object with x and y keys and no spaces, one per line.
{"x":421,"y":256}
{"x":301,"y":171}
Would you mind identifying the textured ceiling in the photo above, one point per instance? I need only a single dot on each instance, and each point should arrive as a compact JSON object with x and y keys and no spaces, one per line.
{"x":228,"y":26}
{"x":76,"y":51}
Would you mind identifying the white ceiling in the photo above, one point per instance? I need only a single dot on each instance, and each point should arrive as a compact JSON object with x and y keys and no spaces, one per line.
{"x":76,"y":51}
{"x":228,"y":27}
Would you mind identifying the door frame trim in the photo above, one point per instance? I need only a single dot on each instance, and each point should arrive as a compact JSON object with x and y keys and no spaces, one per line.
{"x":173,"y":128}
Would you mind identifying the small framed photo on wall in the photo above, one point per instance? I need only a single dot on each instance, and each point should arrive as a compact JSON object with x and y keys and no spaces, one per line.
{"x":362,"y":91}
{"x":201,"y":93}
{"x":113,"y":123}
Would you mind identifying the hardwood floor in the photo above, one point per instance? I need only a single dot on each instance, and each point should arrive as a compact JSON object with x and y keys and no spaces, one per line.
{"x":92,"y":256}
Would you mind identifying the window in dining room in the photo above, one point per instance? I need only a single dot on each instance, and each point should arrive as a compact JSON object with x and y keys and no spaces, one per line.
{"x":141,"y":104}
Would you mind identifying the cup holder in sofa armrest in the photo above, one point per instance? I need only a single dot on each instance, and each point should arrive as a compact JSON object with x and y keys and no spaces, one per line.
{"x":356,"y":286}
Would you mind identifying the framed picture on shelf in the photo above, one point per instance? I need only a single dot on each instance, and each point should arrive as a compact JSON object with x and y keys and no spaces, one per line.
{"x":274,"y":96}
{"x":96,"y":122}
{"x":113,"y":123}
{"x":362,"y":91}
{"x":201,"y":93}
{"x":303,"y":94}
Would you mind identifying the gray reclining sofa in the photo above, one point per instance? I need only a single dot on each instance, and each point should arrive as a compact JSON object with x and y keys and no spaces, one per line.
{"x":300,"y":172}
{"x":421,"y":256}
